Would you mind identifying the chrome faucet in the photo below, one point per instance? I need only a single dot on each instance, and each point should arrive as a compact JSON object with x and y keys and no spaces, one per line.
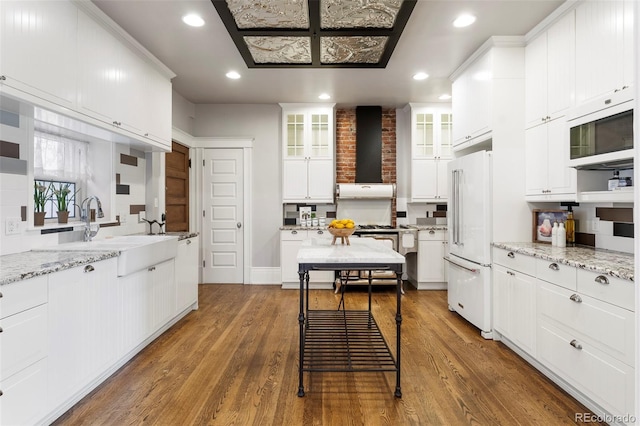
{"x":85,"y":208}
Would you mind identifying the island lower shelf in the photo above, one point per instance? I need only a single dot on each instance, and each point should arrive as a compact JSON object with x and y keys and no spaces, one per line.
{"x":345,"y":340}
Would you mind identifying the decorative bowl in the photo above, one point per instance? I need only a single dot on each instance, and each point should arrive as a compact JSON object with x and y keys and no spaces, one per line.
{"x":342,"y":233}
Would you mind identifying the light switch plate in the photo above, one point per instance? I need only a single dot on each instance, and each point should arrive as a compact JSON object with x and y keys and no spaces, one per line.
{"x":142,"y":215}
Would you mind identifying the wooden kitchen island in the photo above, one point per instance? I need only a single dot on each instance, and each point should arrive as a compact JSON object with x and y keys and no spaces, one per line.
{"x":341,"y":339}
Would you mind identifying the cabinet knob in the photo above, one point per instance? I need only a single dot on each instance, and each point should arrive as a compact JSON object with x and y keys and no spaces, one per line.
{"x":1,"y":296}
{"x":1,"y":330}
{"x":511,"y":255}
{"x":431,"y":232}
{"x":0,"y":390}
{"x":554,"y":266}
{"x":188,"y":242}
{"x":294,"y":232}
{"x":576,"y":298}
{"x":511,"y":273}
{"x":320,"y":232}
{"x":575,"y":344}
{"x":151,"y":269}
{"x":601,"y":279}
{"x":89,"y":268}
{"x":2,"y":78}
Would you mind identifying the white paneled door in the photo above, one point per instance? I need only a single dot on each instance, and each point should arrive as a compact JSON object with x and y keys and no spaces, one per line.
{"x":222,"y":221}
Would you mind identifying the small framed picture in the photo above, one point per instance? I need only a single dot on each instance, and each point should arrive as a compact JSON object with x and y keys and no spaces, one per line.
{"x":543,"y":223}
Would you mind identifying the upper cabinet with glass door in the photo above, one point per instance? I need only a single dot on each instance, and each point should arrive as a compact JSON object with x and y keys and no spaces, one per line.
{"x":431,"y":149}
{"x":308,"y":153}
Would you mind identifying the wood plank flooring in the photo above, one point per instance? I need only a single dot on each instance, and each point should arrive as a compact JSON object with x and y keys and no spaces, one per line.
{"x":235,"y":362}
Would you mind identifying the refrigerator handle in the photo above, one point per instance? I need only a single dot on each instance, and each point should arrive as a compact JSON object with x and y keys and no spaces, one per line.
{"x":454,"y":210}
{"x":460,"y":208}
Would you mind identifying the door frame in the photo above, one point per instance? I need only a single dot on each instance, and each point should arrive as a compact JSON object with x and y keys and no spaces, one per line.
{"x":197,"y":145}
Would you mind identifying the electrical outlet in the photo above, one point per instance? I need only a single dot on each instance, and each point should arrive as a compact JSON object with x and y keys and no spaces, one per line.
{"x":12,"y":226}
{"x":142,"y":215}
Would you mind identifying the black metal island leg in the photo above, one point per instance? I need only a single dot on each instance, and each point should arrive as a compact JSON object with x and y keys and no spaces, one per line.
{"x":398,"y":392}
{"x":301,"y":321}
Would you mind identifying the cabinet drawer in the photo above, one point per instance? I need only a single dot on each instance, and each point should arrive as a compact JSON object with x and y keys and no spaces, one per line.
{"x":609,"y":328}
{"x":602,"y":378}
{"x":24,"y":396}
{"x":432,"y":235}
{"x":293,"y":235}
{"x":610,"y":289}
{"x":22,"y":295}
{"x":319,"y":233}
{"x":516,"y":261}
{"x":556,"y":273}
{"x":23,"y":340}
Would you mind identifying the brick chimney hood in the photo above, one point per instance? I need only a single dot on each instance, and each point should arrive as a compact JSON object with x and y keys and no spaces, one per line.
{"x":368,"y":144}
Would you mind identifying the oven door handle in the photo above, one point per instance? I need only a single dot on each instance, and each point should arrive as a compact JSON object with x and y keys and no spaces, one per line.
{"x":448,"y":259}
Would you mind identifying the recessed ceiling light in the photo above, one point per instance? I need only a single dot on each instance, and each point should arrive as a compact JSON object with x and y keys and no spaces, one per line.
{"x":420,"y":76}
{"x":324,"y":96}
{"x":193,"y":20}
{"x":464,"y":21}
{"x":444,"y":97}
{"x":233,"y":75}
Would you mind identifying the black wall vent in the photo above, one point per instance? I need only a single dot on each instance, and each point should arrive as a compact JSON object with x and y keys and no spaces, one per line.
{"x":368,"y":144}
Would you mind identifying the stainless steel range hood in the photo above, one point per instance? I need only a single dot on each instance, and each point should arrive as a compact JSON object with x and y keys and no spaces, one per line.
{"x":365,"y":191}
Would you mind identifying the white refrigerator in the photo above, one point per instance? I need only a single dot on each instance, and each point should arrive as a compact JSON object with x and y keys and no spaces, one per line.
{"x":470,"y":231}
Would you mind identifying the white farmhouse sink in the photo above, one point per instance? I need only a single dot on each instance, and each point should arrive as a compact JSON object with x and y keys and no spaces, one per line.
{"x":136,"y":251}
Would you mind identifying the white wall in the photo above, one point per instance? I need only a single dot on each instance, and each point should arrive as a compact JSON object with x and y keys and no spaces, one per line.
{"x":183,"y":113}
{"x":262,"y":124}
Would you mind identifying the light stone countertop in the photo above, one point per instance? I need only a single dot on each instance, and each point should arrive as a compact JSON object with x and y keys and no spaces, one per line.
{"x":361,"y":250}
{"x":429,"y":227}
{"x":613,"y":263}
{"x":29,"y":264}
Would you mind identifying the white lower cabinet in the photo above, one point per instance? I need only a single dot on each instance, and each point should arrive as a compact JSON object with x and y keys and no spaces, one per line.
{"x":83,"y":327}
{"x":514,"y":302}
{"x":428,"y":271}
{"x":23,"y":351}
{"x":290,"y":243}
{"x":186,"y":274}
{"x":148,"y":301}
{"x":578,"y":324}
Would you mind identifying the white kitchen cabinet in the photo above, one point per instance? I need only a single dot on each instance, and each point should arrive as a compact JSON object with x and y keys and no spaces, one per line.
{"x":186,"y":274}
{"x":23,"y":351}
{"x":308,"y":170}
{"x":431,"y":150}
{"x":427,"y":270}
{"x":604,"y":48}
{"x":148,"y":302}
{"x":83,"y":327}
{"x":471,"y":100}
{"x":590,"y":344}
{"x":24,"y":395}
{"x":111,"y":78}
{"x":550,"y":72}
{"x":290,"y":243}
{"x":514,"y":301}
{"x":547,"y":176}
{"x":38,"y":49}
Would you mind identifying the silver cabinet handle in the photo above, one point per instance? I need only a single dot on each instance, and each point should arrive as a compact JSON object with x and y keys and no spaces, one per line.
{"x":575,"y":344}
{"x":320,"y":232}
{"x":1,"y":296}
{"x":89,"y":268}
{"x":188,"y":241}
{"x":576,"y":298}
{"x":151,"y":269}
{"x":554,"y":266}
{"x":601,"y":279}
{"x":1,"y":330}
{"x":294,"y":232}
{"x":511,"y":255}
{"x":239,"y":225}
{"x":511,"y":273}
{"x":431,"y":232}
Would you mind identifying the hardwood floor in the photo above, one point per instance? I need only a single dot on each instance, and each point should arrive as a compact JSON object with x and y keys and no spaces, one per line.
{"x":234,"y":362}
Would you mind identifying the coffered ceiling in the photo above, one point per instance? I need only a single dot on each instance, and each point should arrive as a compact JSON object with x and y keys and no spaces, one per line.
{"x":315,"y":33}
{"x":202,"y":56}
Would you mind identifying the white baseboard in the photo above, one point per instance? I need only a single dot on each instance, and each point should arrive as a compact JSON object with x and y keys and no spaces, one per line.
{"x":428,"y":286}
{"x":268,"y":276}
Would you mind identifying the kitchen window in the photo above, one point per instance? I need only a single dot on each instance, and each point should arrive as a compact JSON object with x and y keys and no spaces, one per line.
{"x":60,"y":161}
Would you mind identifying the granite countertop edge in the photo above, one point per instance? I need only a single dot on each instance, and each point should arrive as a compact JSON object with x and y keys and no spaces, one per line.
{"x":31,"y":264}
{"x":324,"y":228}
{"x":608,"y":262}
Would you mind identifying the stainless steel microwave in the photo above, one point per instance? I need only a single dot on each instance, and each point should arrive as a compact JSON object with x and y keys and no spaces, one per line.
{"x":601,"y":134}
